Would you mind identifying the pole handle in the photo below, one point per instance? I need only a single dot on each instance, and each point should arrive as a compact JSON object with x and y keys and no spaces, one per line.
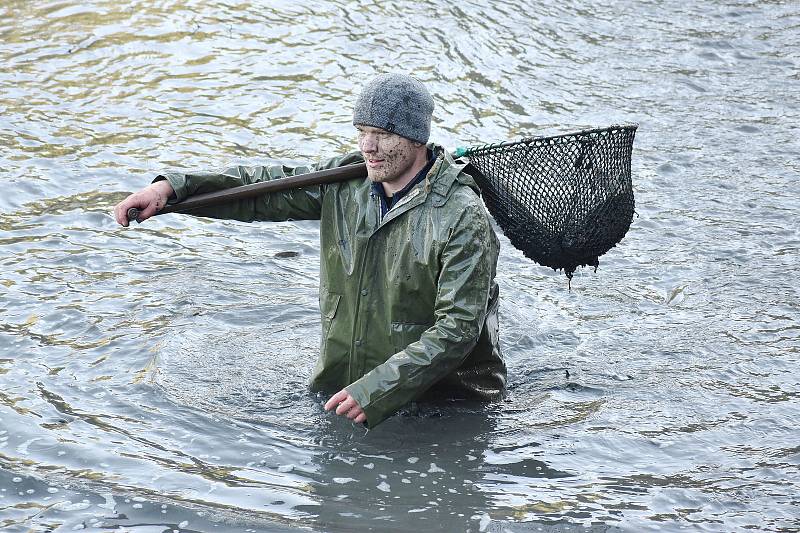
{"x":133,"y":214}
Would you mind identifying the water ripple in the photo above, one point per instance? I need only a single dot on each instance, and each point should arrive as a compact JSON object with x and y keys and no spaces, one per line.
{"x":156,"y":375}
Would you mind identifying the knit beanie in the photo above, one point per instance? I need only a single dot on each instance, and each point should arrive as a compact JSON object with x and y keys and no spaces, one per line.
{"x":396,"y":103}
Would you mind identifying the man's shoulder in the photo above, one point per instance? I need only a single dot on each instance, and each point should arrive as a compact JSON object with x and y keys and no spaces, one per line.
{"x":456,"y":188}
{"x":347,"y":187}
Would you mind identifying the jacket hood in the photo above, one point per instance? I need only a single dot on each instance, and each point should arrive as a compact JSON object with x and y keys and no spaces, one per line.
{"x":446,"y":171}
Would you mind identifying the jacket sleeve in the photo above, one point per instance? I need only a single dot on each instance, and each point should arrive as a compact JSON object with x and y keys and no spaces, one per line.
{"x":467,"y":267}
{"x":294,"y":204}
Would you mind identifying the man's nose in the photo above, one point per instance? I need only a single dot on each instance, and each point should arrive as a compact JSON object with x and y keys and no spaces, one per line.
{"x":368,"y":143}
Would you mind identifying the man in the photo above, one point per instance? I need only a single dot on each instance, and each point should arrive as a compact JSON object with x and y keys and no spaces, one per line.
{"x":407,"y":291}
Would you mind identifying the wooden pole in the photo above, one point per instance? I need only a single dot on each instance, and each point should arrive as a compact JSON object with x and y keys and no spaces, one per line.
{"x":320,"y":177}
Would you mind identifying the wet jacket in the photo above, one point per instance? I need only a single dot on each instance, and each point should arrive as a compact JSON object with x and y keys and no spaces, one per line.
{"x":408,"y":301}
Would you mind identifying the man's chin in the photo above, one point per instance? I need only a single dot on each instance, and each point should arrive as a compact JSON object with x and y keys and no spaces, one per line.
{"x":376,"y":177}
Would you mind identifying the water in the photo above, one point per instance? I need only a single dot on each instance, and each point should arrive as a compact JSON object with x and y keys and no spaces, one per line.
{"x":153,"y":378}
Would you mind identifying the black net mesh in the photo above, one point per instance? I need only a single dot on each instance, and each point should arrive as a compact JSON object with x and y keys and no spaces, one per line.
{"x":563,"y":200}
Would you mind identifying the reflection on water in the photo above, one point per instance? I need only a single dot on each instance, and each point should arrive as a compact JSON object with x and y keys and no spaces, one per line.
{"x":154,"y":378}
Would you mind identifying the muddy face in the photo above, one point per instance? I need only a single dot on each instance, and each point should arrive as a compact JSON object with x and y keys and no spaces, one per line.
{"x":389,"y":156}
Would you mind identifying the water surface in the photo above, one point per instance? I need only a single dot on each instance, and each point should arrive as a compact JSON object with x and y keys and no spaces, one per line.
{"x":153,"y":378}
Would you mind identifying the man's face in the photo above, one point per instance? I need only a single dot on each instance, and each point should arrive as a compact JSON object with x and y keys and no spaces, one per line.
{"x":388,"y":155}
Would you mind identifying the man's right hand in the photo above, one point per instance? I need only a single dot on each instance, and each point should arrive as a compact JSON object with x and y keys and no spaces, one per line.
{"x":148,"y":201}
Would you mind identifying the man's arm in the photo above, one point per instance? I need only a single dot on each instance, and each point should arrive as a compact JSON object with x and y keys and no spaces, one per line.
{"x":468,"y":264}
{"x":295,"y":204}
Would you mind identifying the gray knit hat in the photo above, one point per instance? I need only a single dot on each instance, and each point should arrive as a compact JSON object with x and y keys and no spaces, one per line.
{"x":396,"y":103}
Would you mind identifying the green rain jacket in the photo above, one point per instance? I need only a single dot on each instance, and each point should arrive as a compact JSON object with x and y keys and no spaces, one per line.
{"x":408,"y":302}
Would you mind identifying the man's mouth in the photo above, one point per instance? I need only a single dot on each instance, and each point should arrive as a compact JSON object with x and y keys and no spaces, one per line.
{"x":373,"y":163}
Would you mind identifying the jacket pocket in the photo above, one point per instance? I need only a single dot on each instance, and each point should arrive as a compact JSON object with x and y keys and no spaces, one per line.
{"x":403,"y":334}
{"x":328,"y":305}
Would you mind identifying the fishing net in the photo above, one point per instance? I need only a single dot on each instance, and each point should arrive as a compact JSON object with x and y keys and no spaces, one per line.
{"x":563,"y":200}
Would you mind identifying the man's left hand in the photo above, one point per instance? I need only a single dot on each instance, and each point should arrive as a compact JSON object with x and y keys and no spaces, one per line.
{"x":346,"y":406}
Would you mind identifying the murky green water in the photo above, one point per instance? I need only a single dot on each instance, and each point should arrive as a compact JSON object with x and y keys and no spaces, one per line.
{"x":153,"y":378}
